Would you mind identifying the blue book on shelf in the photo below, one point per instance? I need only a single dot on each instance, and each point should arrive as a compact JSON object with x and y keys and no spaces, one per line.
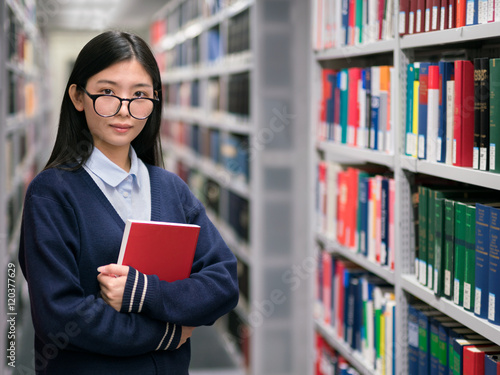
{"x":330,"y":106}
{"x":491,"y":364}
{"x":367,"y":85}
{"x":375,"y":108}
{"x":215,"y":146}
{"x":413,"y":339}
{"x":214,"y":50}
{"x":345,"y":22}
{"x":410,"y":78}
{"x":472,"y":12}
{"x":422,"y":109}
{"x":446,"y":69}
{"x":363,"y":191}
{"x":482,"y":260}
{"x":434,"y":346}
{"x":494,"y":267}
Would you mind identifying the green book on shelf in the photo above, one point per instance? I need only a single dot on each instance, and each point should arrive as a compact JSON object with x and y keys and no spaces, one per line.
{"x":494,"y":157}
{"x":423,"y":199}
{"x":431,"y":220}
{"x":470,"y":257}
{"x":449,"y":247}
{"x":439,"y":244}
{"x":458,"y":284}
{"x":344,"y":94}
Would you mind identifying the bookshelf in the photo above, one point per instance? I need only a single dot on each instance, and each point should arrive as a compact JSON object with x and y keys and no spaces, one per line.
{"x":465,"y":42}
{"x":23,"y":132}
{"x":236,"y":99}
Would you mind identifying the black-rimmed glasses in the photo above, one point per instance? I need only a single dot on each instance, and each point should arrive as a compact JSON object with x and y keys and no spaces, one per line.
{"x":110,"y":105}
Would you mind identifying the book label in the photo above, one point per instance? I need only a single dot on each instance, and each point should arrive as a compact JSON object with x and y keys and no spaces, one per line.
{"x":467,"y":295}
{"x":447,"y":282}
{"x":491,"y":307}
{"x":475,"y":158}
{"x":477,"y":301}
{"x":492,"y":156}
{"x":483,"y":151}
{"x":456,"y":291}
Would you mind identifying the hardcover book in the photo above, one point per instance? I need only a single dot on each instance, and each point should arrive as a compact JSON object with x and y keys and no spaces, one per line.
{"x":159,"y":248}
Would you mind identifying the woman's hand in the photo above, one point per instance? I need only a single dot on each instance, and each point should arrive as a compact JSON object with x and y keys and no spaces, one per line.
{"x":186,"y":333}
{"x":112,"y":279}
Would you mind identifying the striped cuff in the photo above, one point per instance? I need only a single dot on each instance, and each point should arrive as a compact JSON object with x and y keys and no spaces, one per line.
{"x":135,"y":292}
{"x":171,"y":337}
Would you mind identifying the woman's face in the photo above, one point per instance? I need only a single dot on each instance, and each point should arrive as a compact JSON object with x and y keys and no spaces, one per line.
{"x":127,"y":80}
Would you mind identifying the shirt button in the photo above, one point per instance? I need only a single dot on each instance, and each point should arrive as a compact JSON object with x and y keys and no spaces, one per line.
{"x":125,"y":194}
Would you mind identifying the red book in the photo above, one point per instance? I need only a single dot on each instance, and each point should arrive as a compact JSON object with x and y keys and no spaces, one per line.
{"x":351,"y":216}
{"x":381,"y":10}
{"x":412,"y":19}
{"x":404,"y":13}
{"x":339,"y":295}
{"x":326,"y":259}
{"x":443,"y":15}
{"x":342,"y":202}
{"x":159,"y":248}
{"x":352,"y":22}
{"x":452,"y":14}
{"x":461,"y":10}
{"x":435,"y":15}
{"x":354,"y":79}
{"x":473,"y":358}
{"x":420,"y":16}
{"x":327,"y":93}
{"x":463,"y":130}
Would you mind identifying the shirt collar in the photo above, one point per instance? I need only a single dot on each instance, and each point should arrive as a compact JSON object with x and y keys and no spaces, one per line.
{"x":109,"y":172}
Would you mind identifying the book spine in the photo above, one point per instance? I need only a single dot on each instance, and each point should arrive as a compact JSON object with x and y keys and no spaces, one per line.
{"x":471,"y":16}
{"x":449,"y":251}
{"x":422,"y":238}
{"x":459,"y":267}
{"x":434,"y":346}
{"x":384,"y":221}
{"x":416,"y":90}
{"x":344,"y":104}
{"x":353,"y":106}
{"x":463,"y":132}
{"x":477,"y":112}
{"x":411,"y":142}
{"x":461,"y":13}
{"x":443,"y":24}
{"x":433,"y":115}
{"x":439,"y":245}
{"x":422,"y":109}
{"x":482,"y":260}
{"x":375,"y":107}
{"x":484,"y":100}
{"x":470,"y":257}
{"x":450,"y":114}
{"x":431,"y":227}
{"x":494,"y":267}
{"x":494,"y":131}
{"x":423,"y":344}
{"x":404,"y":12}
{"x":413,"y":341}
{"x":384,"y":115}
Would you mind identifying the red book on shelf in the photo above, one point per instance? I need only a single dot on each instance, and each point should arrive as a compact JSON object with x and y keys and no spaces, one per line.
{"x":435,"y":15}
{"x":159,"y":248}
{"x":327,"y":287}
{"x":463,"y":130}
{"x":461,"y":12}
{"x":473,"y":358}
{"x":327,"y":93}
{"x":420,"y":16}
{"x":339,"y":295}
{"x":352,"y":207}
{"x":404,"y":13}
{"x":343,"y":186}
{"x":452,"y":14}
{"x":352,"y":22}
{"x":354,"y":77}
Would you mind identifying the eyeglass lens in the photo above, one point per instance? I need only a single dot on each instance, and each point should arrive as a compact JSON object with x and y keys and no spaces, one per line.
{"x":110,"y":105}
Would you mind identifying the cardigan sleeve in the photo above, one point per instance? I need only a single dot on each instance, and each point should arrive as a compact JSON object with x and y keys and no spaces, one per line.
{"x":61,"y":311}
{"x":211,"y":290}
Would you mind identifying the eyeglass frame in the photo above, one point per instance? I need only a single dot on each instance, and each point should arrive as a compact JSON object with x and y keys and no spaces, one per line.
{"x":94,"y":97}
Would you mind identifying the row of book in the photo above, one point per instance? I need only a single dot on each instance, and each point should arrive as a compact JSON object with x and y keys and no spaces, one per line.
{"x":229,"y":150}
{"x":235,"y":95}
{"x":340,"y":23}
{"x":355,"y":207}
{"x":459,"y":248}
{"x":227,"y":206}
{"x":417,"y":16}
{"x":238,"y":36}
{"x":452,"y":112}
{"x":360,"y":308}
{"x":355,"y":107}
{"x":328,"y":361}
{"x":439,"y":345}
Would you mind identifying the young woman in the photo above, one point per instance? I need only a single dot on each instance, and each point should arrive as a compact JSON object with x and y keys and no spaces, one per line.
{"x":90,"y":315}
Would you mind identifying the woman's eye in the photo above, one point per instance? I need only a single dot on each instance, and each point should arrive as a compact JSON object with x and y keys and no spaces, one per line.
{"x":107,"y":92}
{"x":140,"y":94}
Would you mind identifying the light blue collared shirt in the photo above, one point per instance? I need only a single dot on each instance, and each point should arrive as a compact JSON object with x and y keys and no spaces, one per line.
{"x":129,"y":193}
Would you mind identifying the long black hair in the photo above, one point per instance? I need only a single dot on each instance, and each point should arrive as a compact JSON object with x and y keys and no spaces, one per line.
{"x":74,"y":143}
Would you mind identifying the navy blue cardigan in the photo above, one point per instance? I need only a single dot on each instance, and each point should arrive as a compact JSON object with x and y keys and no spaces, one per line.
{"x":69,"y":229}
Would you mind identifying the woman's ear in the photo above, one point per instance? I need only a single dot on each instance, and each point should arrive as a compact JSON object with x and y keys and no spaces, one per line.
{"x":76,"y":97}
